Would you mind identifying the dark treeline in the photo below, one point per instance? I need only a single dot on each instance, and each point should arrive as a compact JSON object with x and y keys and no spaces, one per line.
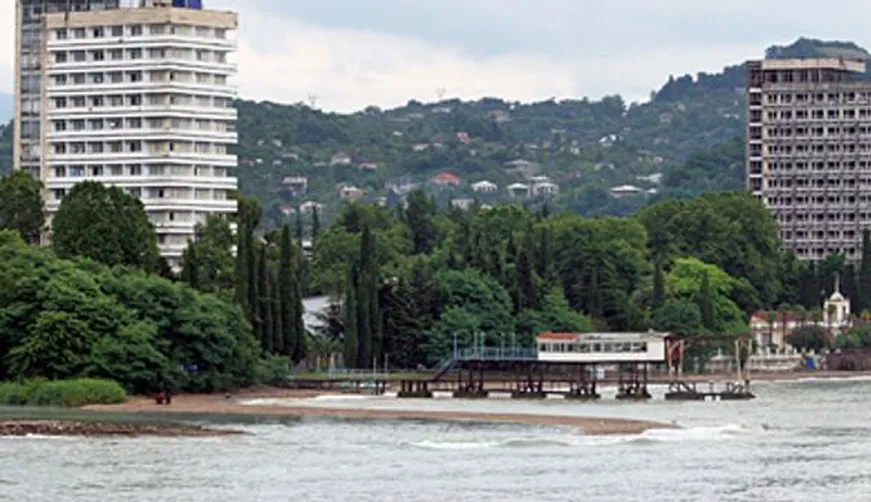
{"x":403,"y":283}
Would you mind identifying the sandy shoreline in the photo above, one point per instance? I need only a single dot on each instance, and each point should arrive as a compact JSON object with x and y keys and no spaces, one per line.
{"x":220,"y":405}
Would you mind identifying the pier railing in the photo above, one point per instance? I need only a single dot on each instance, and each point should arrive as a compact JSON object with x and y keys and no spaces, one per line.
{"x":496,"y":354}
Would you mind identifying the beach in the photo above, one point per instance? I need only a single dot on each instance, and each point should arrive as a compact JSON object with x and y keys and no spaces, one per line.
{"x":221,"y":405}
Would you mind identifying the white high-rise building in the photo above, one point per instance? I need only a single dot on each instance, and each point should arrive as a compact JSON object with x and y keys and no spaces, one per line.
{"x":142,"y":98}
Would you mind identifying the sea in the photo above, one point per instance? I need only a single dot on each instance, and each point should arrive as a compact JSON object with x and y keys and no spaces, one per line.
{"x":800,"y":440}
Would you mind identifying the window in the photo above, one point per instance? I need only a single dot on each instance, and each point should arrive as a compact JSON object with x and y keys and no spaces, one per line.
{"x":134,"y":146}
{"x":60,"y":102}
{"x":60,"y":148}
{"x":135,"y":30}
{"x":78,"y":78}
{"x":98,"y":56}
{"x":60,"y":57}
{"x":96,"y":170}
{"x":134,"y":100}
{"x":98,"y":32}
{"x":134,"y":76}
{"x":116,"y":54}
{"x":76,"y":171}
{"x":60,"y":172}
{"x":157,"y":29}
{"x":58,"y":193}
{"x":117,"y":31}
{"x":79,"y":33}
{"x":60,"y":34}
{"x":115,"y":170}
{"x":135,"y":54}
{"x":135,"y":170}
{"x":60,"y":125}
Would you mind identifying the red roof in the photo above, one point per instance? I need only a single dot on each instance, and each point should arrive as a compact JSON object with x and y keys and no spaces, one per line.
{"x":557,"y":336}
{"x":446,"y":179}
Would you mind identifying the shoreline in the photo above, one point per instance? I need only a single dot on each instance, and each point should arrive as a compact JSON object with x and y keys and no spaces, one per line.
{"x":75,"y":428}
{"x":220,"y":405}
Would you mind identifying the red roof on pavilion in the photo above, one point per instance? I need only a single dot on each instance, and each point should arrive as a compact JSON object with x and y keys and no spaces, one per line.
{"x":557,"y":336}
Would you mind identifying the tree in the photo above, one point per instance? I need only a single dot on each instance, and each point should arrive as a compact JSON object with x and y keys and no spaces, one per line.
{"x":267,"y":323}
{"x":316,"y":223}
{"x":808,"y":338}
{"x":863,"y":291}
{"x":106,"y":225}
{"x":298,"y":230}
{"x":21,"y":206}
{"x":657,"y":297}
{"x":418,"y":216}
{"x":209,"y":258}
{"x":706,"y":302}
{"x":56,"y":350}
{"x":351,"y":344}
{"x":286,"y":296}
{"x":680,"y":316}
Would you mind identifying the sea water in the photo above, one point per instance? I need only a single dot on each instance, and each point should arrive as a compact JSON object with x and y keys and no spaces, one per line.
{"x":806,"y":440}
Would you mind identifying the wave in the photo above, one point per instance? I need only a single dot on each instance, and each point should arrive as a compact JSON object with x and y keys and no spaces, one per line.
{"x":653,"y":436}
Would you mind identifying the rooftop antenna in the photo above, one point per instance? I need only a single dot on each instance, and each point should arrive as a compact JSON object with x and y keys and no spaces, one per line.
{"x":312,"y":100}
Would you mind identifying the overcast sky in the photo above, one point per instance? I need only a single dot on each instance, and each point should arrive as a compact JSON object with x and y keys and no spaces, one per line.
{"x":353,"y":53}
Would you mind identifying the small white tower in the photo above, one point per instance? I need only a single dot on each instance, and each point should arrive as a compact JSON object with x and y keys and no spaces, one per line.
{"x":837,"y":308}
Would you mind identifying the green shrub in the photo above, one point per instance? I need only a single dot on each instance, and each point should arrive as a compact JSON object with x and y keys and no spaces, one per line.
{"x":12,"y":394}
{"x":18,"y":393}
{"x":272,"y":370}
{"x":72,"y":393}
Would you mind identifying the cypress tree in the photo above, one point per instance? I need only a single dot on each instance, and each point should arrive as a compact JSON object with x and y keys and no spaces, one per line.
{"x":264,"y":285}
{"x":300,"y":349}
{"x":848,"y":282}
{"x":297,"y":234}
{"x":658,"y":296}
{"x":189,"y":266}
{"x":351,"y":345}
{"x":364,"y":298}
{"x":316,"y":223}
{"x":706,"y":303}
{"x":544,"y":261}
{"x":287,"y":301}
{"x":863,"y":289}
{"x":277,"y":330}
{"x":594,"y":301}
{"x":809,"y":294}
{"x":254,"y":297}
{"x":243,"y":250}
{"x":525,"y":274}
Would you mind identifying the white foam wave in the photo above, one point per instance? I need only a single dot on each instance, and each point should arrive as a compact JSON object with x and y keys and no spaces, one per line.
{"x":652,"y":436}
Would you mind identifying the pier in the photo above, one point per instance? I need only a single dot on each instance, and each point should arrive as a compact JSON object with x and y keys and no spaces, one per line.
{"x":569,"y":366}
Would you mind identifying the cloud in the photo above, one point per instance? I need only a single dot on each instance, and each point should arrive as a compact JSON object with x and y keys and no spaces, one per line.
{"x":354,"y":53}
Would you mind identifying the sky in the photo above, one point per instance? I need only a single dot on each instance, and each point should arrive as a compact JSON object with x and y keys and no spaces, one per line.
{"x":354,"y":53}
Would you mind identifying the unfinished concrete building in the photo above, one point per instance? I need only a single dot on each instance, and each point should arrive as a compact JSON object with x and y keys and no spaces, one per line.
{"x":809,"y":151}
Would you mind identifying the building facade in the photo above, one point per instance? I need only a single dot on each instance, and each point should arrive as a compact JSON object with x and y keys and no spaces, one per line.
{"x":28,"y":78}
{"x":142,"y":98}
{"x":809,"y":151}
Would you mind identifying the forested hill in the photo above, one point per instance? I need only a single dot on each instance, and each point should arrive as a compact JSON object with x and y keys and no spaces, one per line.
{"x":686,"y":140}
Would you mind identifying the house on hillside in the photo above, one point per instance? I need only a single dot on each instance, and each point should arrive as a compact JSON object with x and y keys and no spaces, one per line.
{"x":445,"y":180}
{"x":463,"y":137}
{"x":524,"y":168}
{"x":462,"y":203}
{"x":518,"y":190}
{"x":350,"y":193}
{"x":420,"y":147}
{"x":341,"y":159}
{"x":625,"y":191}
{"x":368,"y":166}
{"x":484,"y":187}
{"x":543,"y":189}
{"x":295,"y":184}
{"x":309,"y":207}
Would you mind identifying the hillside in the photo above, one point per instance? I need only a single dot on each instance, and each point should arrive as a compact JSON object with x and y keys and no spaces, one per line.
{"x":686,"y":140}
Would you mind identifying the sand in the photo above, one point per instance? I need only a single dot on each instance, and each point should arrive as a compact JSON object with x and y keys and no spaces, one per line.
{"x":213,"y":404}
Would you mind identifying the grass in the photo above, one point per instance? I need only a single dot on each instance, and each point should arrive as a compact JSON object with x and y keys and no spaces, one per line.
{"x":61,"y":393}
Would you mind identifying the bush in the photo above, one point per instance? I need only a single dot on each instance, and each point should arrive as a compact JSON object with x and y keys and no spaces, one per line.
{"x":272,"y":370}
{"x":67,"y":393}
{"x":18,"y":393}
